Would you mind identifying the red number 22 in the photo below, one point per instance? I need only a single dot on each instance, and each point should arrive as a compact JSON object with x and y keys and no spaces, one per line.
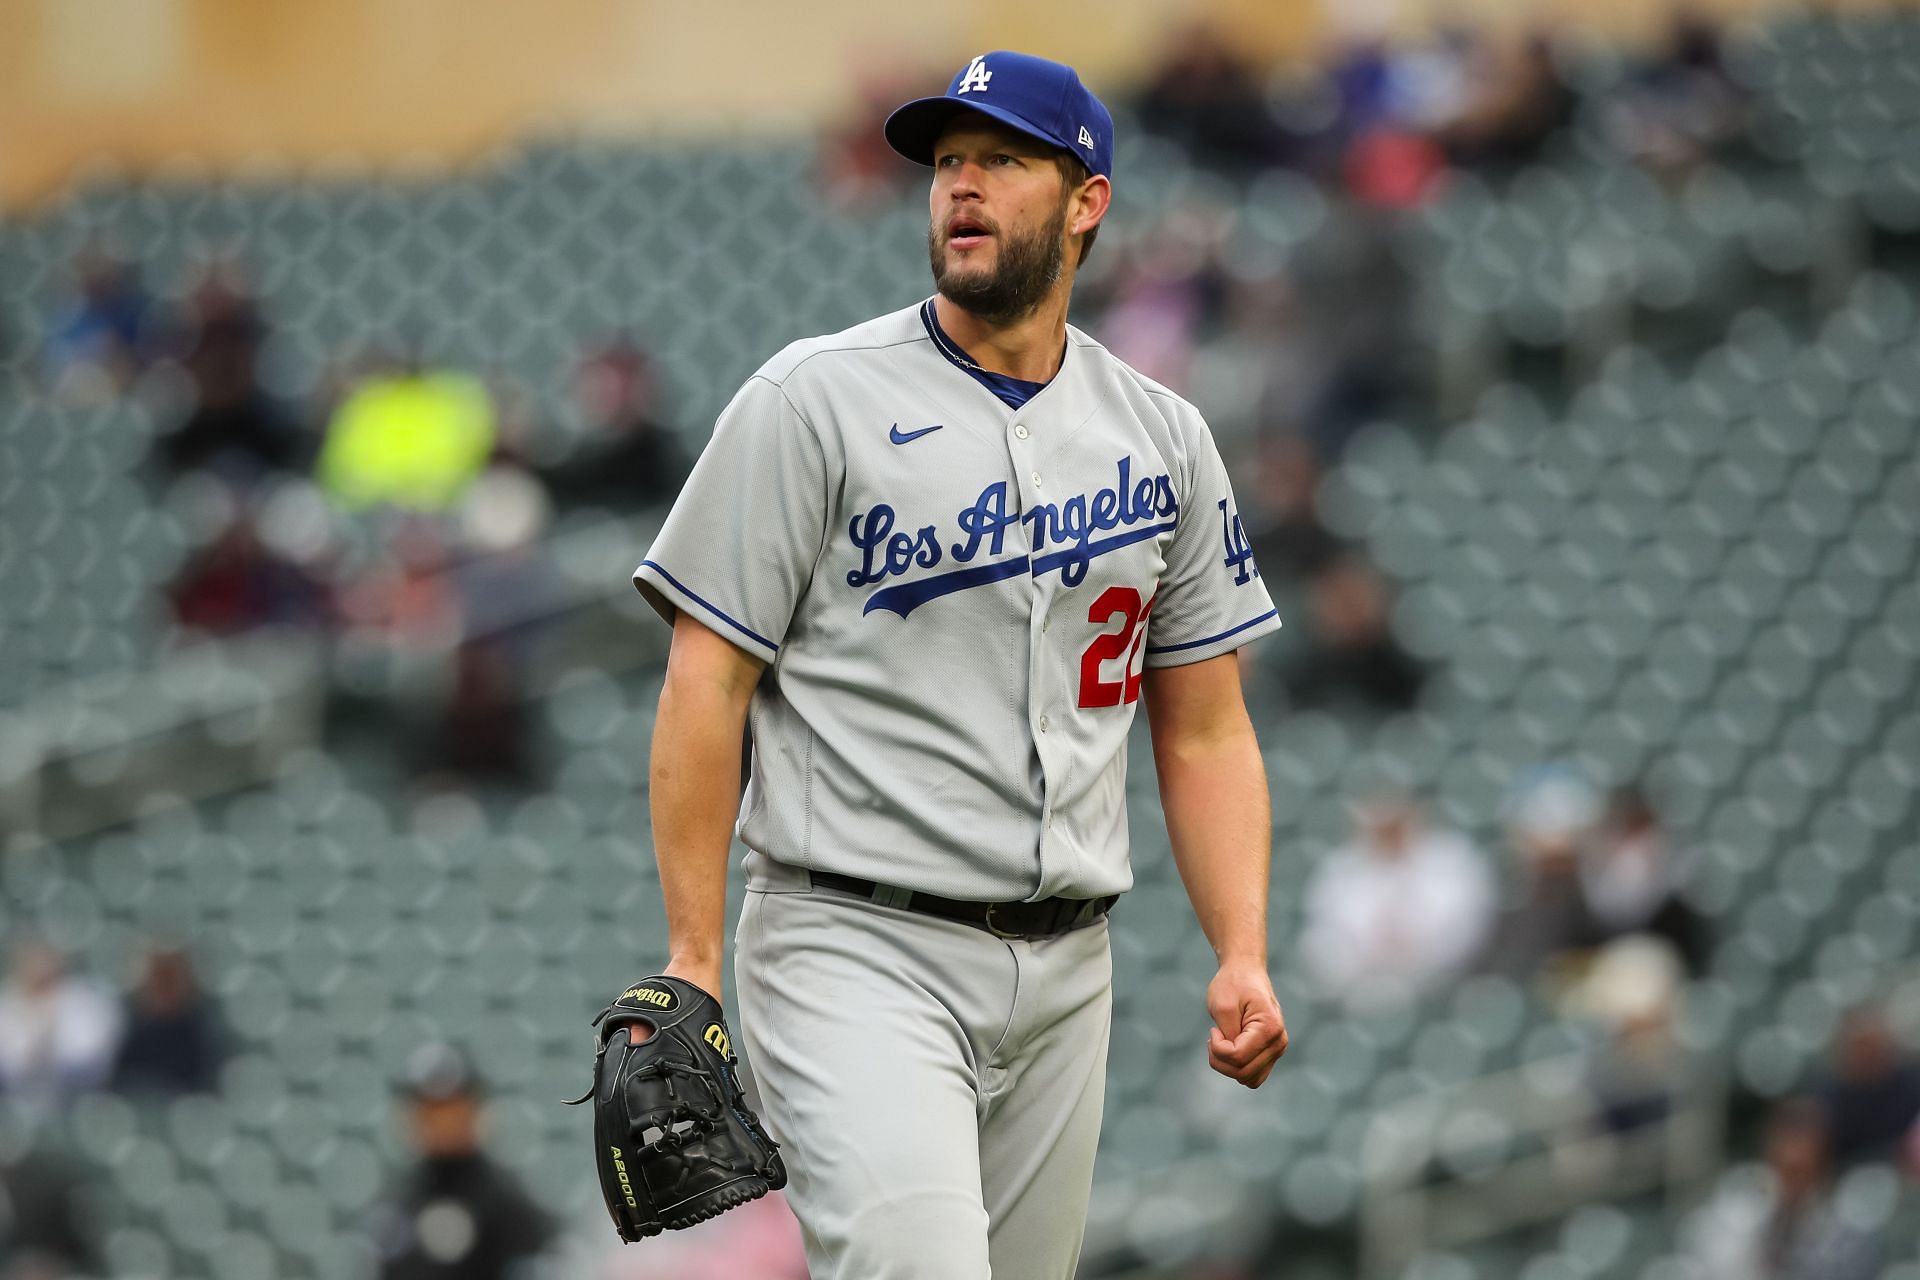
{"x":1122,"y":603}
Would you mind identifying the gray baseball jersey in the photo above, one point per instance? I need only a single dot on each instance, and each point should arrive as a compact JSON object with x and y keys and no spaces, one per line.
{"x":956,"y":599}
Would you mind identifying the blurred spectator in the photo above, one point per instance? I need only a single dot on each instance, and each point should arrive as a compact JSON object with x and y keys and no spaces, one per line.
{"x":482,"y":733}
{"x":503,"y":581}
{"x":1871,"y":1089}
{"x":408,"y":436}
{"x":1354,"y":660}
{"x":455,"y":1214}
{"x":106,"y":335}
{"x":174,"y":1040}
{"x":1361,"y":80}
{"x":1290,"y":542}
{"x":1628,"y":876}
{"x":1549,"y":822}
{"x":1430,"y":83}
{"x":1390,"y":99}
{"x":1632,"y":990}
{"x":43,"y":1233}
{"x":1400,"y":909}
{"x":1781,"y":1224}
{"x":236,"y":582}
{"x":629,"y":458}
{"x":58,"y":1032}
{"x":1393,"y":168}
{"x":1205,"y":96}
{"x":232,"y":424}
{"x":1677,"y":107}
{"x":410,"y":594}
{"x":862,"y":170}
{"x":1158,"y":297}
{"x":1517,"y":101}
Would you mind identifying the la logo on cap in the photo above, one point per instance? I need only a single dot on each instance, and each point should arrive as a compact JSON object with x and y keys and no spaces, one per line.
{"x":977,"y":76}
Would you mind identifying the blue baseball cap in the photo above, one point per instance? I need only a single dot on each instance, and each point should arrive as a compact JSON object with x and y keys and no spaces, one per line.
{"x":1041,"y":99}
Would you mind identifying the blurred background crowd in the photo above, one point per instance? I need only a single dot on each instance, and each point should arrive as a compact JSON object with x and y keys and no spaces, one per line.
{"x":1568,"y":379}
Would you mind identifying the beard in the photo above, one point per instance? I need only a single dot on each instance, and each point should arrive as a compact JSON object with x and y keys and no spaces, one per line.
{"x":1026,"y":269}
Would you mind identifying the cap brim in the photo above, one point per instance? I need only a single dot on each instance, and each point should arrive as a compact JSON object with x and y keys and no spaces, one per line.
{"x":914,"y":128}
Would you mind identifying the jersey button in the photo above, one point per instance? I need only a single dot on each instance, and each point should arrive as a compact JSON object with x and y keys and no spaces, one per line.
{"x":1043,"y":724}
{"x":1020,"y":430}
{"x":1036,"y":479}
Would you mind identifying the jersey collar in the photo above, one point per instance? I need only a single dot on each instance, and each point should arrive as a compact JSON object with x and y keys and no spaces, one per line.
{"x":1014,"y":392}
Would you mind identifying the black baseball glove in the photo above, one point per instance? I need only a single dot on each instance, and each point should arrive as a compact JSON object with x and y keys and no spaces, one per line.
{"x":674,"y":1139}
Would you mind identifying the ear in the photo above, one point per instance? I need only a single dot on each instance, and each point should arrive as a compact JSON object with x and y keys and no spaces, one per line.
{"x":1090,"y":205}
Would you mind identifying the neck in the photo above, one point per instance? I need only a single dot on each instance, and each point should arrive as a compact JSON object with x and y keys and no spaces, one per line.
{"x":1029,"y":348}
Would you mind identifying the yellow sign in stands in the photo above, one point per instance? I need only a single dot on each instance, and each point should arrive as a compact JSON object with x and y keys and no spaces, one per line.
{"x":412,"y":440}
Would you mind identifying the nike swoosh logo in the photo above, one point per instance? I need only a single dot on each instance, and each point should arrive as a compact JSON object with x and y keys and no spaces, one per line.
{"x":901,"y":437}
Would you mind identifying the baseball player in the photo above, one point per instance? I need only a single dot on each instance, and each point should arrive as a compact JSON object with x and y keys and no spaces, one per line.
{"x":934,"y":563}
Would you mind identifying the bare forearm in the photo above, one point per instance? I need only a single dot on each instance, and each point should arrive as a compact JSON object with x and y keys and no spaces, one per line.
{"x":695,"y":792}
{"x":1213,"y":787}
{"x":1214,"y":793}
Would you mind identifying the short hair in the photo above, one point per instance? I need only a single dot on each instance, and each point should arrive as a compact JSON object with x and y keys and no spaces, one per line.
{"x":1073,"y":172}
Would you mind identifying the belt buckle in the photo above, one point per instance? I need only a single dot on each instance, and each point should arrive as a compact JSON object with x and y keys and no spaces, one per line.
{"x":994,"y":928}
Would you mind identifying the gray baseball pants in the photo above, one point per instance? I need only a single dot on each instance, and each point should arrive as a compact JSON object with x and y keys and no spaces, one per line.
{"x":936,"y":1090}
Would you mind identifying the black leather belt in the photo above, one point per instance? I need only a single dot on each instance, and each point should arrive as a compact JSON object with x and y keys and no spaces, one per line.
{"x":1043,"y":919}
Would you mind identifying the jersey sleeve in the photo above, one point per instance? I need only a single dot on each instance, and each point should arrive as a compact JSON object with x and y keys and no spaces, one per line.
{"x":740,"y":544}
{"x":1210,"y":599}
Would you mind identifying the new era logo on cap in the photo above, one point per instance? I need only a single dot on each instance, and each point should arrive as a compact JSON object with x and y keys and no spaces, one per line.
{"x":1040,"y":98}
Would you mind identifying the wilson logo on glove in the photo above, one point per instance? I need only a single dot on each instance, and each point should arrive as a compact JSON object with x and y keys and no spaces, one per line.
{"x":659,"y":999}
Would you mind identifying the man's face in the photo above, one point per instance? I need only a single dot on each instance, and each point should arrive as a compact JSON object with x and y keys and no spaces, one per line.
{"x":996,"y":238}
{"x":446,"y":1126}
{"x":1797,"y":1155}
